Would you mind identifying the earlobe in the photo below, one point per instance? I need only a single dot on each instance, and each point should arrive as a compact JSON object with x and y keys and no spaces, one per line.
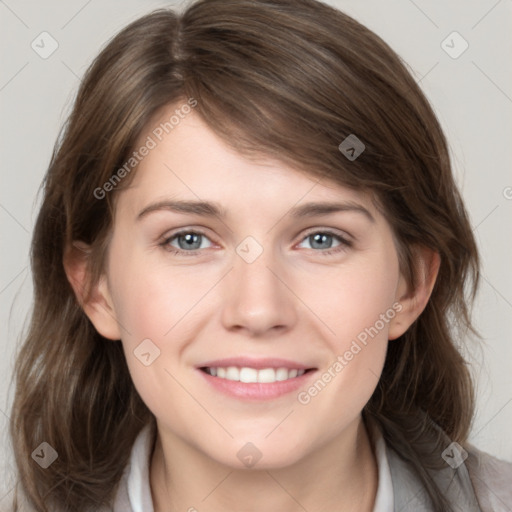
{"x":96,"y":301}
{"x":414,"y":300}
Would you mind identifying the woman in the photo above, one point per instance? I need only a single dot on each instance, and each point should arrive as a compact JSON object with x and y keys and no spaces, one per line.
{"x":258,"y":369}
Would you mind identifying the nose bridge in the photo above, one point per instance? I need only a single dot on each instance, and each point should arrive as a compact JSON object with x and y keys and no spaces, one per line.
{"x":257,"y":299}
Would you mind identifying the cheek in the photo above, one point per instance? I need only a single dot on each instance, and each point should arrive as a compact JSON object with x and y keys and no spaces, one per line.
{"x":357,"y":305}
{"x":152,"y":299}
{"x":355,"y":299}
{"x":157,"y":307}
{"x":149,"y":308}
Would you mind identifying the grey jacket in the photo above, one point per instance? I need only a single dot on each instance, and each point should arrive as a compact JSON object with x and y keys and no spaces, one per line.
{"x":481,"y":484}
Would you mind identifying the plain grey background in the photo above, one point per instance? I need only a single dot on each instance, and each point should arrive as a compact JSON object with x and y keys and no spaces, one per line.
{"x":471,"y":92}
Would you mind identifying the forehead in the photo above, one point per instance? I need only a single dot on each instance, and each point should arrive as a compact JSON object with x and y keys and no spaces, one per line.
{"x":192,"y":162}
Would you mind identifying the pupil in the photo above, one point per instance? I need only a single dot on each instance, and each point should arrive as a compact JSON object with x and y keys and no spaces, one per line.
{"x":318,"y":239}
{"x":190,"y":239}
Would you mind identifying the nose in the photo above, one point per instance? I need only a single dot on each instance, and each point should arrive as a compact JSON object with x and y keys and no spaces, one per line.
{"x":257,"y":298}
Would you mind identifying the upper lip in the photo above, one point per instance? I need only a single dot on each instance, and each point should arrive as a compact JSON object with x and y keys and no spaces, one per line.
{"x":251,"y":362}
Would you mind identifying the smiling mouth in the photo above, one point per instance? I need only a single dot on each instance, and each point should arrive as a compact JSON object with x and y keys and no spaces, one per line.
{"x":253,"y":375}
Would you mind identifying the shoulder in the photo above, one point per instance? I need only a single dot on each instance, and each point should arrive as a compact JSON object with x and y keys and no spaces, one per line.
{"x":491,"y":479}
{"x":480,"y":483}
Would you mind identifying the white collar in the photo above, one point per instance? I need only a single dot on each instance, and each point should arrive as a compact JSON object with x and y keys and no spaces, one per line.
{"x":139,"y":490}
{"x":384,"y":500}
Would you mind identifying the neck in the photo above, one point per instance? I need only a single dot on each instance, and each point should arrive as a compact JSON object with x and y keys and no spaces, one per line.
{"x":339,"y":476}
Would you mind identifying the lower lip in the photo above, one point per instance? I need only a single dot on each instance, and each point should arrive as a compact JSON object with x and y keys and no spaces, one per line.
{"x":256,"y":390}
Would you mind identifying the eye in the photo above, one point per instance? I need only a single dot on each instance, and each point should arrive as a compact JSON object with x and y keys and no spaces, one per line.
{"x":187,"y":242}
{"x":323,"y":240}
{"x":190,"y":242}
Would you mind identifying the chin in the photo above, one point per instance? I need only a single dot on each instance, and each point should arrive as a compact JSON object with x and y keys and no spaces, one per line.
{"x":259,"y":455}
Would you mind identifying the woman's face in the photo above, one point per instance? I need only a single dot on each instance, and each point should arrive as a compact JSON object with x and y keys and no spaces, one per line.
{"x":304,"y":298}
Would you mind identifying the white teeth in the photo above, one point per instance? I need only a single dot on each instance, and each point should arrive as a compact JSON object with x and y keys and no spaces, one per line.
{"x":248,"y":375}
{"x":232,"y":373}
{"x":267,"y":375}
{"x":281,"y":374}
{"x":251,"y":375}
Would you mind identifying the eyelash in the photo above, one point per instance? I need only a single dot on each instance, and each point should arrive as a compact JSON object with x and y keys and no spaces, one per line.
{"x":344,"y":243}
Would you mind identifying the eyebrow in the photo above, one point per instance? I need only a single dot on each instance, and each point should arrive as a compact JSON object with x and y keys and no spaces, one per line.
{"x":213,"y":209}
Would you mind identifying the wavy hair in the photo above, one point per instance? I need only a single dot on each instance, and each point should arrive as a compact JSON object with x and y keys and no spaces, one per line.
{"x":286,"y":79}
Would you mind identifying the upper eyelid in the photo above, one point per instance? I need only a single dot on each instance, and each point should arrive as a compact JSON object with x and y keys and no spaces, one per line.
{"x":337,"y":232}
{"x":185,"y":231}
{"x":345,"y":238}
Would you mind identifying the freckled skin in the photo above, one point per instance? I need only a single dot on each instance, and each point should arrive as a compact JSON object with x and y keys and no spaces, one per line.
{"x":292,"y":302}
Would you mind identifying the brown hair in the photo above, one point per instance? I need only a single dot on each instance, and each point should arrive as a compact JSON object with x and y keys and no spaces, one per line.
{"x":287,"y":79}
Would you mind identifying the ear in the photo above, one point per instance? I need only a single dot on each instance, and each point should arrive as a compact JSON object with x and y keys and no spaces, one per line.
{"x":97,"y":305}
{"x":414,"y":301}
